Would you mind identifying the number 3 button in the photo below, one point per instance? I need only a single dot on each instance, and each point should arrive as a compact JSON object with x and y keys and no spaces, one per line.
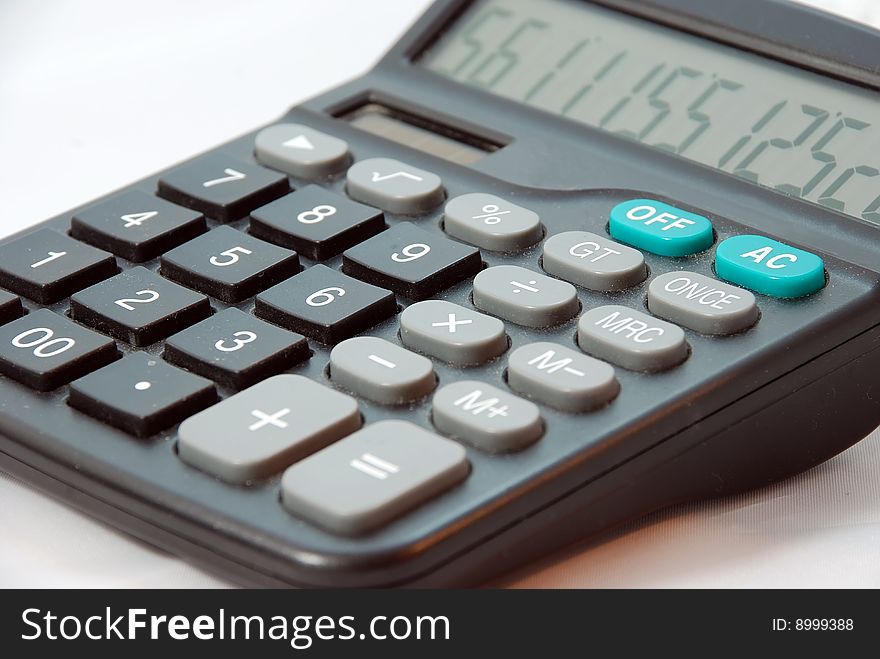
{"x":138,"y":306}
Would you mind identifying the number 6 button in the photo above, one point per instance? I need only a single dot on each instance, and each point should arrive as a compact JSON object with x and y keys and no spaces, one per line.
{"x":138,"y":306}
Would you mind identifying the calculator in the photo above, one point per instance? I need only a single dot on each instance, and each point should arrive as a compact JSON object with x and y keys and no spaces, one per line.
{"x":548,"y":267}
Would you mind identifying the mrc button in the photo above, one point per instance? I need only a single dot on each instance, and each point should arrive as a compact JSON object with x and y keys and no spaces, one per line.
{"x":769,"y":266}
{"x":660,"y":228}
{"x":703,"y":304}
{"x":631,"y":339}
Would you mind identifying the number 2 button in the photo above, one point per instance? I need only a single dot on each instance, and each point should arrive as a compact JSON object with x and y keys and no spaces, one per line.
{"x":138,"y":306}
{"x":229,"y":265}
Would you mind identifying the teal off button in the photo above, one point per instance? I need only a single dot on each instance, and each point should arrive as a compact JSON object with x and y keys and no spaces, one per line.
{"x":769,"y":266}
{"x":660,"y":228}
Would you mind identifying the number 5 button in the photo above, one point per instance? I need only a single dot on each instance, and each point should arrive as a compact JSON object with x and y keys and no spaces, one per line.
{"x":138,"y":306}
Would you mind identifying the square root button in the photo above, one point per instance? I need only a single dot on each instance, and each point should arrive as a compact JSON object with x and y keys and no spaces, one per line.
{"x":375,"y":475}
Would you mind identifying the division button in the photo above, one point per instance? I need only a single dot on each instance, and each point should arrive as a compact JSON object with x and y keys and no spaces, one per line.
{"x":631,"y":339}
{"x":394,"y":186}
{"x":594,"y":262}
{"x":489,"y":419}
{"x":524,"y":297}
{"x":660,"y":228}
{"x":702,"y":304}
{"x":301,"y":151}
{"x":372,"y":477}
{"x":560,"y":377}
{"x":492,"y":223}
{"x":770,"y":267}
{"x":452,"y":333}
{"x":141,"y":394}
{"x":262,"y":430}
{"x":381,"y":371}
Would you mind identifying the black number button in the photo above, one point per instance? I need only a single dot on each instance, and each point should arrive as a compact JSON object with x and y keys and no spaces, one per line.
{"x":411,"y":262}
{"x":47,"y":266}
{"x":236,"y":349}
{"x":229,"y":265}
{"x":316,"y":223}
{"x":44,"y":350}
{"x":136,"y":226}
{"x":222,"y":187}
{"x":141,"y":394}
{"x":325,"y":304}
{"x":10,"y":307}
{"x":139,"y":307}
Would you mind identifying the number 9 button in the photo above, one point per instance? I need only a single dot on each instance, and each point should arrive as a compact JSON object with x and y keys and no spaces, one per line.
{"x":236,"y":349}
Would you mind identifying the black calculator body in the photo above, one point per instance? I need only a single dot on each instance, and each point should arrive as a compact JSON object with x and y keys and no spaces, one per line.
{"x":742,"y":401}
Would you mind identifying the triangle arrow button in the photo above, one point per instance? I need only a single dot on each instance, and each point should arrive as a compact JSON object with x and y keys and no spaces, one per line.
{"x":299,"y":142}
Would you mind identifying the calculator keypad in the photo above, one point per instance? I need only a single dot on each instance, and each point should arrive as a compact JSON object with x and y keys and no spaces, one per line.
{"x":136,"y":226}
{"x":236,"y":349}
{"x":486,"y":417}
{"x":316,"y":222}
{"x":138,"y":307}
{"x":524,"y":297}
{"x":451,"y":332}
{"x":411,"y":261}
{"x":702,"y":304}
{"x":261,"y":430}
{"x":301,"y":151}
{"x":592,"y":261}
{"x":229,"y":265}
{"x":325,"y":304}
{"x":10,"y":307}
{"x":222,"y":187}
{"x":373,"y":476}
{"x":44,"y":350}
{"x":394,"y":186}
{"x":47,"y":266}
{"x":141,"y":395}
{"x":631,"y":338}
{"x":491,"y":223}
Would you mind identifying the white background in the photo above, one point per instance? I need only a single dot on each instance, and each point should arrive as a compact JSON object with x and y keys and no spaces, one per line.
{"x":94,"y":95}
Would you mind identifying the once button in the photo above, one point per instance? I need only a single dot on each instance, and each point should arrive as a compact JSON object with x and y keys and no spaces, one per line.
{"x":524,"y":296}
{"x":492,"y":223}
{"x":394,"y":186}
{"x":660,"y":228}
{"x":561,"y":377}
{"x":631,"y":339}
{"x":702,"y":304}
{"x":593,"y":262}
{"x":769,"y":266}
{"x":486,"y":417}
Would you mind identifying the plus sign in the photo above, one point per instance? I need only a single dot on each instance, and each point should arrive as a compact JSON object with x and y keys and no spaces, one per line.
{"x":452,"y":323}
{"x":267,"y":419}
{"x":498,"y":411}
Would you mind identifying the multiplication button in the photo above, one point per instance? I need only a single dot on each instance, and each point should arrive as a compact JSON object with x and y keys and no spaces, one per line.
{"x":631,"y":339}
{"x":702,"y":304}
{"x":373,"y":476}
{"x":486,"y":417}
{"x":492,"y":223}
{"x":394,"y":186}
{"x":594,"y":262}
{"x":524,"y":297}
{"x":452,"y":333}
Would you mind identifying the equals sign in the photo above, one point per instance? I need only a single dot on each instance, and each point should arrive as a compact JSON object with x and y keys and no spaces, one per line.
{"x":375,"y":467}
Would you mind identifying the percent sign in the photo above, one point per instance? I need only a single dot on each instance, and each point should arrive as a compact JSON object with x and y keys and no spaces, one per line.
{"x":492,"y":214}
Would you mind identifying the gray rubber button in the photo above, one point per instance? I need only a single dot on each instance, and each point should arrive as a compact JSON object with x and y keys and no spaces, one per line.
{"x":631,"y":339}
{"x":263,"y":429}
{"x":381,"y":371}
{"x":486,"y":417}
{"x":452,"y":333}
{"x":594,"y":262}
{"x":373,"y":476}
{"x":561,"y":377}
{"x":394,"y":186}
{"x":301,"y":151}
{"x":492,"y":223}
{"x":524,"y":297}
{"x":701,"y":303}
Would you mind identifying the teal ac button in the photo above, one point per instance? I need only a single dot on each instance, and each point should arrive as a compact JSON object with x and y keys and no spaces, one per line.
{"x":660,"y":228}
{"x":768,"y":266}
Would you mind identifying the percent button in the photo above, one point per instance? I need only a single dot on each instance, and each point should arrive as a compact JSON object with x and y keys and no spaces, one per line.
{"x":492,"y":223}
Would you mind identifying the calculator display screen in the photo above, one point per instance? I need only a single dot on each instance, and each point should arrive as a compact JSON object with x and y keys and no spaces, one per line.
{"x":781,"y":127}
